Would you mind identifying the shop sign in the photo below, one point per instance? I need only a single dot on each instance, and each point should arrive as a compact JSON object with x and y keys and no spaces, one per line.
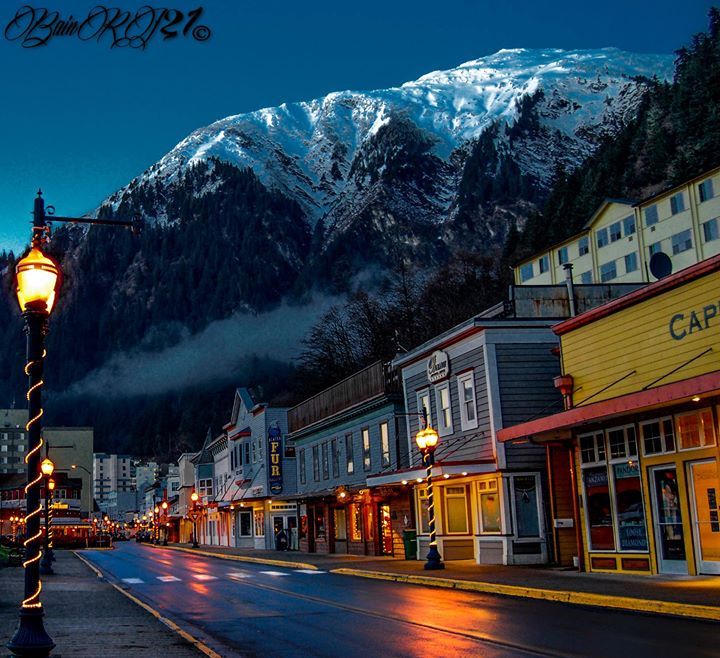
{"x":275,"y":480}
{"x":626,"y":471}
{"x":684,"y":324}
{"x":438,"y":366}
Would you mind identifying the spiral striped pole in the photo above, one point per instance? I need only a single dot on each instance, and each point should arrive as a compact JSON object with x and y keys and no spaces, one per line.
{"x":434,"y":560}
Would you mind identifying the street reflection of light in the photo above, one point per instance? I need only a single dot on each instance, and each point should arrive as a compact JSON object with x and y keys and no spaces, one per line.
{"x":199,"y":588}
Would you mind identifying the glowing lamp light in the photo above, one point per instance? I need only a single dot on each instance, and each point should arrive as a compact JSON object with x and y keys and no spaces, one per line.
{"x":164,"y":504}
{"x":47,"y":467}
{"x":446,"y":475}
{"x":342,"y":494}
{"x":426,"y":439}
{"x":404,"y":482}
{"x":38,"y":280}
{"x":194,"y":496}
{"x":696,"y":398}
{"x":418,"y":480}
{"x":157,"y":509}
{"x":51,"y":485}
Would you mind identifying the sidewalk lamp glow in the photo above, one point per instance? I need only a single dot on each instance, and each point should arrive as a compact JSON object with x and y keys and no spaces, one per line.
{"x":47,"y":467}
{"x":38,"y":281}
{"x":427,"y":439}
{"x":194,"y":496}
{"x":51,"y":485}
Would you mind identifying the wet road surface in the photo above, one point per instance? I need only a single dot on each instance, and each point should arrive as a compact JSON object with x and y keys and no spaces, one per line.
{"x":244,"y":609}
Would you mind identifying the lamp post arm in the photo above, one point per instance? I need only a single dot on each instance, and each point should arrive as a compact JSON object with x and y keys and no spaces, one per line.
{"x":135,"y":225}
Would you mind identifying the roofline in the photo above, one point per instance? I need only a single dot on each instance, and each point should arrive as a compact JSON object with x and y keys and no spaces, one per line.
{"x":684,"y":276}
{"x":689,"y":181}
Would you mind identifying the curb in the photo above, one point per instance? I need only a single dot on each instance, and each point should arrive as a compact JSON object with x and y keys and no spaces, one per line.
{"x":670,"y":608}
{"x":241,"y":558}
{"x":198,"y":644}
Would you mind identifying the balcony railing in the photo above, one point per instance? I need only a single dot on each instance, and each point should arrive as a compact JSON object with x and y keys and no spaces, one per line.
{"x":373,"y":381}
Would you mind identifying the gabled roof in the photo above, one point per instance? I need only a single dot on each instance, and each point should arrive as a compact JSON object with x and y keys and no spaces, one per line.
{"x":606,"y":203}
{"x":204,"y":456}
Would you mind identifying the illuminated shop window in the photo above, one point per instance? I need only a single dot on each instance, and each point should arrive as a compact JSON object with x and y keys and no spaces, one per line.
{"x":695,"y":429}
{"x":456,"y":520}
{"x":490,"y":506}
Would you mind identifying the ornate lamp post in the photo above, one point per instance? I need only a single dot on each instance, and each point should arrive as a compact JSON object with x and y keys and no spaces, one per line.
{"x":47,"y":467}
{"x":164,"y":506}
{"x":51,"y":489}
{"x":156,"y":520}
{"x":194,"y":497}
{"x":427,"y":440}
{"x":38,"y":281}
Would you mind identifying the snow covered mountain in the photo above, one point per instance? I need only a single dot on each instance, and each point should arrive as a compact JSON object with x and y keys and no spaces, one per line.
{"x":308,"y":150}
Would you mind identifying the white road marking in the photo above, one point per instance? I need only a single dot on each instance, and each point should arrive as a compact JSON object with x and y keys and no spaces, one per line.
{"x":168,"y":579}
{"x":239,"y":574}
{"x":133,"y":581}
{"x":204,"y":576}
{"x":311,"y":572}
{"x":275,"y":573}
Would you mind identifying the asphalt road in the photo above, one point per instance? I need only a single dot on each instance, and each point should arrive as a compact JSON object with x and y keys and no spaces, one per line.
{"x":244,"y":609}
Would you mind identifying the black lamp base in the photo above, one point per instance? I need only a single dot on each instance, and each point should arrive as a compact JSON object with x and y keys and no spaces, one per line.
{"x":30,"y":639}
{"x":434,"y":561}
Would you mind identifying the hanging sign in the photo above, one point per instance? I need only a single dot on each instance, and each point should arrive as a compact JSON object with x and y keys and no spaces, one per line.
{"x":438,"y":366}
{"x":275,"y":481}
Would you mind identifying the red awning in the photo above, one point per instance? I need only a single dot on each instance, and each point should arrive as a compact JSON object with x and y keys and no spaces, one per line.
{"x":548,"y":427}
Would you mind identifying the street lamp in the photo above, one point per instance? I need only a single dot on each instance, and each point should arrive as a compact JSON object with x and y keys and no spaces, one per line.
{"x":51,"y":489}
{"x":427,"y":439}
{"x":194,"y":497}
{"x":164,"y":506}
{"x":47,"y":467}
{"x":156,"y":526}
{"x":38,"y":280}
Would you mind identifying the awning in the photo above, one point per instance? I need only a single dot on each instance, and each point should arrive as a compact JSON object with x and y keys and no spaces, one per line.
{"x":440,"y":468}
{"x":551,"y":428}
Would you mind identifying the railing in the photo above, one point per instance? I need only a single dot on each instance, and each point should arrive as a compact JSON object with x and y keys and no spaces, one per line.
{"x":377,"y":379}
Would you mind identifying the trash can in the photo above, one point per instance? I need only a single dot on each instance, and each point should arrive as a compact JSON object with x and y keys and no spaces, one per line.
{"x":410,"y":541}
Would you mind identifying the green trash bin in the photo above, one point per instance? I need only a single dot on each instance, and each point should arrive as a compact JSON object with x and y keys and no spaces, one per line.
{"x":410,"y":541}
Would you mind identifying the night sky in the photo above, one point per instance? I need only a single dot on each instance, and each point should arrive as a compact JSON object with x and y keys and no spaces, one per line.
{"x":81,"y":119}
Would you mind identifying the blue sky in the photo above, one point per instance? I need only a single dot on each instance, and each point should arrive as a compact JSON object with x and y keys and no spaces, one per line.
{"x":80,"y":120}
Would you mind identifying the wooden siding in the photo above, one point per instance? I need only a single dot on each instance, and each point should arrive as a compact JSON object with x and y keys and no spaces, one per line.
{"x":370,"y":382}
{"x":461,"y":444}
{"x":525,"y":377}
{"x":562,"y":497}
{"x":638,"y":338}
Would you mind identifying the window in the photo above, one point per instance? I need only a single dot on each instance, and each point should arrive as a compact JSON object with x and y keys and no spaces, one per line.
{"x":245,"y":524}
{"x":456,"y":520}
{"x":654,"y":248}
{"x":526,"y":272}
{"x":423,"y":399}
{"x":247,"y":452}
{"x":562,"y":255}
{"x":316,"y":463}
{"x":599,"y":516}
{"x":325,"y":461}
{"x":592,"y":448}
{"x":543,"y":264}
{"x":586,"y":278}
{"x":335,"y":458}
{"x":681,"y":241}
{"x":615,"y":231}
{"x":254,"y":452}
{"x":651,"y":215}
{"x":631,"y":262}
{"x":490,"y":506}
{"x":259,"y":523}
{"x":622,"y":442}
{"x":711,"y":230}
{"x":466,"y":395}
{"x":349,"y":454}
{"x":367,"y":461}
{"x":205,"y":487}
{"x":695,"y":429}
{"x":355,"y":523}
{"x":442,"y":401}
{"x":303,"y":466}
{"x":424,"y":516}
{"x":657,"y":436}
{"x":232,"y":460}
{"x":706,"y":190}
{"x":385,"y":443}
{"x":629,"y":225}
{"x":677,"y":203}
{"x":583,"y":246}
{"x":629,"y":510}
{"x":601,"y":237}
{"x":526,"y":505}
{"x":608,"y":271}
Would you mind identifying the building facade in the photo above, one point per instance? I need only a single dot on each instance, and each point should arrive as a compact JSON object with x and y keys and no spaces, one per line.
{"x":472,"y":381}
{"x":111,"y":473}
{"x":343,"y":437}
{"x":621,"y":237}
{"x":638,"y":439}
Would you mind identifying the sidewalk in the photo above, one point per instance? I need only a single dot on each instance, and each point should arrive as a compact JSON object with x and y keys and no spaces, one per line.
{"x":697,"y":596}
{"x":86,"y":616}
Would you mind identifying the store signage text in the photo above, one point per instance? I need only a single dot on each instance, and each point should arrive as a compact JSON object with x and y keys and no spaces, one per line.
{"x":275,"y":480}
{"x":438,"y":366}
{"x":685,"y":324}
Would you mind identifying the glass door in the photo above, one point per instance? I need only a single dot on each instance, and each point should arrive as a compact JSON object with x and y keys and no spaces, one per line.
{"x":386,"y":530}
{"x":706,"y":527}
{"x":669,"y":533}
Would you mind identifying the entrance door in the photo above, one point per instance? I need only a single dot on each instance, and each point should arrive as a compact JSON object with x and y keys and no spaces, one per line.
{"x":706,"y":527}
{"x":386,"y":538}
{"x":340,"y":530}
{"x":667,"y":519}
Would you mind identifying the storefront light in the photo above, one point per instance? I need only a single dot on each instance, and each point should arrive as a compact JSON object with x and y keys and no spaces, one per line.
{"x":696,"y":398}
{"x":404,"y":482}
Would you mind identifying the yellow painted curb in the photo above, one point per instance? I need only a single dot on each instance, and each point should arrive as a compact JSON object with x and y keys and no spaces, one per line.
{"x":242,"y":558}
{"x":706,"y":612}
{"x":201,"y":646}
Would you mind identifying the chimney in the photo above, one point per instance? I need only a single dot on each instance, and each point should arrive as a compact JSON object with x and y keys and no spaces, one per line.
{"x":570,"y":288}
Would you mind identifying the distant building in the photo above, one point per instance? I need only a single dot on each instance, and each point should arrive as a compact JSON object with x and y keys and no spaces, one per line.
{"x":13,"y":440}
{"x":618,"y":241}
{"x":111,"y":473}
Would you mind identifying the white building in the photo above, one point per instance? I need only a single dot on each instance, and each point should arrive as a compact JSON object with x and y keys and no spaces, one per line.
{"x":111,"y":473}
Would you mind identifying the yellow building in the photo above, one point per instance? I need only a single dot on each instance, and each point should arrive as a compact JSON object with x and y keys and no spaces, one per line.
{"x":641,"y":382}
{"x":618,"y":241}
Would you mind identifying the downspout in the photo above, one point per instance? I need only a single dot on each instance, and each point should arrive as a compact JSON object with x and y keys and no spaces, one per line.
{"x":576,"y":510}
{"x":568,"y":267}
